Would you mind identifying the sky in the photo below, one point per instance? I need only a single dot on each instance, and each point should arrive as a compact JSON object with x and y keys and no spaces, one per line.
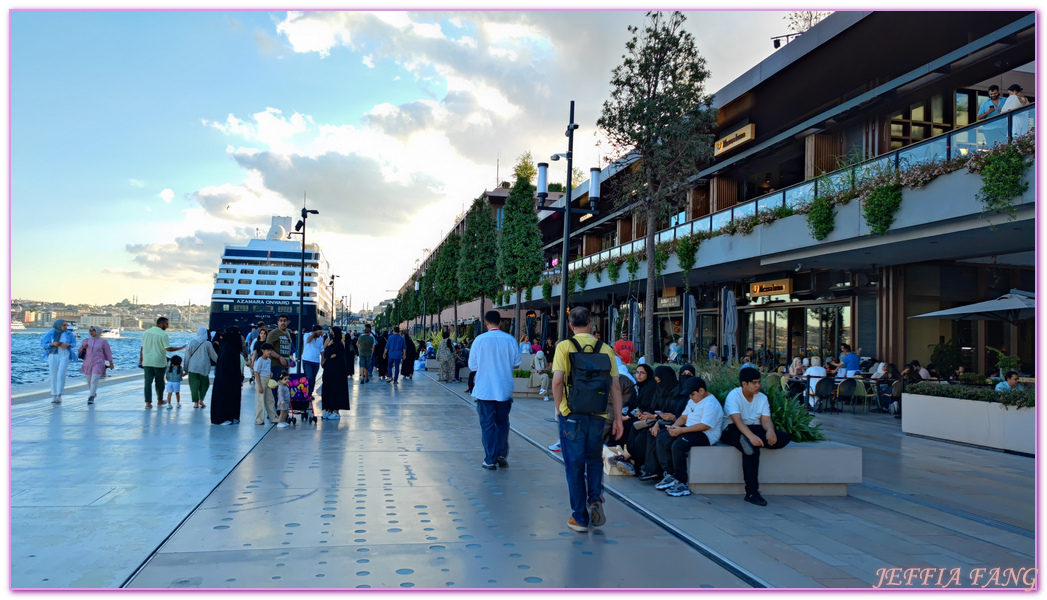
{"x":143,"y":142}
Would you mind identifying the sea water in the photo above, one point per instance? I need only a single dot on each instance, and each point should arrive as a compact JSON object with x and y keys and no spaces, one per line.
{"x":27,"y":366}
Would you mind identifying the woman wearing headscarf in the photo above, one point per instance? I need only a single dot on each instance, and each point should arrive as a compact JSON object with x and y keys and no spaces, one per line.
{"x":410,"y":355}
{"x":350,"y":353}
{"x":539,"y":368}
{"x":641,"y":404}
{"x":335,"y":380}
{"x":58,"y":345}
{"x":664,"y":397}
{"x":671,"y":408}
{"x":627,"y":385}
{"x":96,"y":353}
{"x":228,"y":379}
{"x":380,"y":361}
{"x":445,"y":356}
{"x":198,"y":357}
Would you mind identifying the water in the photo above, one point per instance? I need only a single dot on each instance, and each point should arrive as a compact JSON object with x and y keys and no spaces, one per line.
{"x":27,"y":366}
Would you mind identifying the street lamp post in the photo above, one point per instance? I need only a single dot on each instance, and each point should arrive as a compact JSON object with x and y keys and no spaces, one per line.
{"x":334,"y":301}
{"x":543,"y":193}
{"x":299,"y":229}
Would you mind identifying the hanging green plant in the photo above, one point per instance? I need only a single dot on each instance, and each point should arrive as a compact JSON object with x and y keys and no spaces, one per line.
{"x":661,"y":256}
{"x":547,"y":291}
{"x":582,"y":278}
{"x":632,"y":265}
{"x":1002,"y":175}
{"x":821,"y":217}
{"x":598,"y":273}
{"x":880,"y":207}
{"x":528,"y":292}
{"x":614,"y":271}
{"x":687,"y":255}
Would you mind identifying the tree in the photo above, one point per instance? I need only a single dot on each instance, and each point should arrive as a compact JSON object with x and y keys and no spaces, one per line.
{"x":658,"y":109}
{"x":802,"y":20}
{"x":447,"y":289}
{"x":478,"y":254}
{"x":525,"y":168}
{"x":520,"y":243}
{"x":577,"y":177}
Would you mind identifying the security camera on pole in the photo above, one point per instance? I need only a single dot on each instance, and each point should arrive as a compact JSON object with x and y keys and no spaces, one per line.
{"x":543,"y":193}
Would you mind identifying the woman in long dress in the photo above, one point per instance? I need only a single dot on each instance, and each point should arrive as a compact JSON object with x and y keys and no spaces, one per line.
{"x":97,"y":353}
{"x":198,"y":357}
{"x":445,"y":356}
{"x":335,"y":382}
{"x":228,"y":379}
{"x":58,"y":352}
{"x":410,"y":355}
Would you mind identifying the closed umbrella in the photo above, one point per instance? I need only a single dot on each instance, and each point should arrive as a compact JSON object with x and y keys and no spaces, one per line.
{"x":634,"y":326}
{"x":1013,"y":307}
{"x":545,"y":328}
{"x":730,"y":325}
{"x":614,"y":323}
{"x":690,"y":321}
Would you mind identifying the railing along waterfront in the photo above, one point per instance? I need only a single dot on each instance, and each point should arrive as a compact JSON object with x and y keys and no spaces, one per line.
{"x":977,"y":137}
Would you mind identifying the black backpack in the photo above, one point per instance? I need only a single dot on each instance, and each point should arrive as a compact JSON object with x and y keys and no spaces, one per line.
{"x":589,"y":382}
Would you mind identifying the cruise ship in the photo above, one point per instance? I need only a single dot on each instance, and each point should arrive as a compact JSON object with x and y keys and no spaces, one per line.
{"x":261,"y":281}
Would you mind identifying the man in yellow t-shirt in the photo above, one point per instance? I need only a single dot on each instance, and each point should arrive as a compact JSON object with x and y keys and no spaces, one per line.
{"x":581,"y":436}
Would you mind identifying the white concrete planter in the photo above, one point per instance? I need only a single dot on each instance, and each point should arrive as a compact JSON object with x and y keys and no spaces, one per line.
{"x":987,"y":424}
{"x":522,"y":388}
{"x":799,"y":469}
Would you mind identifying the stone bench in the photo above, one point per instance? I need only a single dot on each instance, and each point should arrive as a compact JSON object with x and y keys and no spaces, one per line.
{"x":807,"y":469}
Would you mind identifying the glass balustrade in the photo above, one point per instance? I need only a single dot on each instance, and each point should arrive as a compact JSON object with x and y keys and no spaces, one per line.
{"x":798,"y":195}
{"x":979,"y":138}
{"x":1022,"y":121}
{"x":769,"y":202}
{"x":936,"y":149}
{"x":744,"y":210}
{"x":720,"y":219}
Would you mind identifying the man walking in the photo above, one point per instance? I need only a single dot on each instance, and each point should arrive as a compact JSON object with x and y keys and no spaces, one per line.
{"x":365,"y":348}
{"x":152,"y":357}
{"x":394,"y":352}
{"x":581,"y":435}
{"x":283,"y":346}
{"x":494,"y":356}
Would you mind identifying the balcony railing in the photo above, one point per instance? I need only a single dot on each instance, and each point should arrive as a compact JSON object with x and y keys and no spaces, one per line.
{"x":977,"y":137}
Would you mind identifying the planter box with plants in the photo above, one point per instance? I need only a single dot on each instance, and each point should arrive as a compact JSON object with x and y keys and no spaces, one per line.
{"x":522,"y":385}
{"x":809,"y":466}
{"x":971,"y":415}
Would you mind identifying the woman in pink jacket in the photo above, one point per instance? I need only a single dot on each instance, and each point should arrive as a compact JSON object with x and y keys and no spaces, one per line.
{"x":96,"y":355}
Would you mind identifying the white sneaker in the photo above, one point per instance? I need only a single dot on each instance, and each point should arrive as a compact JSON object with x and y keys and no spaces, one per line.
{"x":555,"y":447}
{"x":179,"y":405}
{"x":170,"y":406}
{"x":542,"y":391}
{"x":546,"y":399}
{"x":282,"y":425}
{"x":334,"y":416}
{"x":227,"y":423}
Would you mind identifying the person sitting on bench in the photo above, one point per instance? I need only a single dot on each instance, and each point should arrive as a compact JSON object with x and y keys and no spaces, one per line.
{"x":747,"y":426}
{"x":698,"y":425}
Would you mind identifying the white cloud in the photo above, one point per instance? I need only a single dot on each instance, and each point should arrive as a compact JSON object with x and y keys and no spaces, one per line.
{"x":368,"y":61}
{"x":136,"y":183}
{"x":167,"y":195}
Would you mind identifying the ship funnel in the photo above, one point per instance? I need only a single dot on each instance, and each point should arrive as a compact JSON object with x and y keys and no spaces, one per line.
{"x":279,"y":229}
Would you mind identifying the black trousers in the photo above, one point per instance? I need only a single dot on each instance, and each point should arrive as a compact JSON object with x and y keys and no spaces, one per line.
{"x":672,"y":451}
{"x":751,"y":464}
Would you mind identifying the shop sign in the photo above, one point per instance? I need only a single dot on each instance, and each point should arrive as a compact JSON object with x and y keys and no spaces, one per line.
{"x":738,"y":137}
{"x":669,"y":302}
{"x":771,"y":288}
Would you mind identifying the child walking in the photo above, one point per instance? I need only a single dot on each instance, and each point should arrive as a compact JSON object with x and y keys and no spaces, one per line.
{"x":263,"y":398}
{"x":174,"y":377}
{"x":283,"y":401}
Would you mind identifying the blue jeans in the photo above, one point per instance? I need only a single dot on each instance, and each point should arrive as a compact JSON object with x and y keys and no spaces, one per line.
{"x":494,"y":428}
{"x":581,"y":443}
{"x":394,"y":368}
{"x":311,"y":369}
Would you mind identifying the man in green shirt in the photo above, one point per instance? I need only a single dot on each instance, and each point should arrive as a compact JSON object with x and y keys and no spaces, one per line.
{"x":152,"y":357}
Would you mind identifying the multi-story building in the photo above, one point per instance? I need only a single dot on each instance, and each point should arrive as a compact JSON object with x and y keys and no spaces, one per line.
{"x":830,"y":108}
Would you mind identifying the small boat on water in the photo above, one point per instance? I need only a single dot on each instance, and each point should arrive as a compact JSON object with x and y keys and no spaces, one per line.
{"x":17,"y":326}
{"x":111,"y":334}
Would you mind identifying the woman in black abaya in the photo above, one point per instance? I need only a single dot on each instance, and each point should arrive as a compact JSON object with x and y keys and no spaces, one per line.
{"x":228,"y":379}
{"x":335,"y":382}
{"x":410,"y":355}
{"x":381,"y":362}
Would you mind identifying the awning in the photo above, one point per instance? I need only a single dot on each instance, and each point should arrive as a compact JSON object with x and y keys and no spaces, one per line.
{"x":1013,"y":307}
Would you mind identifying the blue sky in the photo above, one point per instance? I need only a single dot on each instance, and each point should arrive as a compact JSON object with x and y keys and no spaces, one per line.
{"x":141,"y":142}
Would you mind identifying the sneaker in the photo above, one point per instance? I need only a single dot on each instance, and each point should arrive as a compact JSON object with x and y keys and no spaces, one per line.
{"x":334,"y":416}
{"x":555,"y":447}
{"x":678,"y":489}
{"x":747,"y":446}
{"x":282,"y":425}
{"x":256,"y":423}
{"x":55,"y":400}
{"x":148,"y":405}
{"x":645,"y":476}
{"x":90,"y":399}
{"x":235,"y":421}
{"x":489,"y":467}
{"x":179,"y":405}
{"x":665,"y":483}
{"x":546,"y":399}
{"x":169,"y":406}
{"x":755,"y":498}
{"x":541,"y":392}
{"x":502,"y":462}
{"x":230,"y":423}
{"x":596,"y":516}
{"x":571,"y":523}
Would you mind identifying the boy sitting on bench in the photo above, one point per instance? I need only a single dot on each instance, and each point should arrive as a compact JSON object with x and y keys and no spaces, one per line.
{"x":698,"y":425}
{"x":747,"y":426}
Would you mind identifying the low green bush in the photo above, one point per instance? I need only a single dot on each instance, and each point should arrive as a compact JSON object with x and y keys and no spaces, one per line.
{"x":521,"y":373}
{"x":1018,"y":399}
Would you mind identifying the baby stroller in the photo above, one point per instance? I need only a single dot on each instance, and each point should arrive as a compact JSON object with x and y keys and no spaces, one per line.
{"x":301,"y":400}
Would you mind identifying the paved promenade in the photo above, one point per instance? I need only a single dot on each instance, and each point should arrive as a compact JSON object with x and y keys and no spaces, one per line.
{"x":392,"y":496}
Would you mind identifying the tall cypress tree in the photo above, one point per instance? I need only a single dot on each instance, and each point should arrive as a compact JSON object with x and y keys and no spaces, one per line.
{"x":520,"y":243}
{"x":478,"y":255}
{"x":447,"y":273}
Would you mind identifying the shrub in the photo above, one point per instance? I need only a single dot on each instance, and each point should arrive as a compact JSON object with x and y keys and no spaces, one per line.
{"x":821,"y":217}
{"x":973,"y":379}
{"x":880,"y":207}
{"x":1003,"y":362}
{"x":521,"y":373}
{"x":632,"y":265}
{"x":614,"y":270}
{"x":547,"y":291}
{"x":947,"y":357}
{"x":1002,"y":169}
{"x":1018,"y":399}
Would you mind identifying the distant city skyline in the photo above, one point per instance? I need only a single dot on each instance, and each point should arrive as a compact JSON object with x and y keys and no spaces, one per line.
{"x":143,"y":142}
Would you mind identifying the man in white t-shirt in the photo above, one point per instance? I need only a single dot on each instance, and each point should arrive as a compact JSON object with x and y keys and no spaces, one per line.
{"x":699,"y":425}
{"x":747,"y":426}
{"x":494,"y":356}
{"x":814,"y":374}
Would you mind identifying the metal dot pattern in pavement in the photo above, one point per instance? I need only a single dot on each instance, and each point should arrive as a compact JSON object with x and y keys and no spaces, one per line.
{"x":392,"y":495}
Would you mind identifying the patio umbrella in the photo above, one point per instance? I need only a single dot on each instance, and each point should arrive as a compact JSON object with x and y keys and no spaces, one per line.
{"x":634,"y":326}
{"x":614,"y":324}
{"x":730,"y":325}
{"x":1013,"y":307}
{"x":545,"y":328}
{"x":690,"y":320}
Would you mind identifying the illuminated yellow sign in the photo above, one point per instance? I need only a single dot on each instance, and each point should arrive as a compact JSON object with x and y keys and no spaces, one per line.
{"x":771,"y":288}
{"x":734,"y":139}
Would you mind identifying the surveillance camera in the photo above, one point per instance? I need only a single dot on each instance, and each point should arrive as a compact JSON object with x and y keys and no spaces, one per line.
{"x":574,"y":125}
{"x":554,"y":157}
{"x":798,"y":267}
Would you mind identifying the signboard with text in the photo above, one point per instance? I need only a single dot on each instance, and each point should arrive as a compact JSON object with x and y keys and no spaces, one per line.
{"x":771,"y":288}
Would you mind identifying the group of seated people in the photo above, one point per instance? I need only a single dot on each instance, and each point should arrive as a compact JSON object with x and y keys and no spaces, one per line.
{"x":665,"y":415}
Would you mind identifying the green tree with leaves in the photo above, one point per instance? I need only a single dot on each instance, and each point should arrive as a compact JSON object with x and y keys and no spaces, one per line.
{"x":525,"y":168}
{"x":520,"y":243}
{"x":447,"y":289}
{"x":478,"y":254}
{"x":659,"y":109}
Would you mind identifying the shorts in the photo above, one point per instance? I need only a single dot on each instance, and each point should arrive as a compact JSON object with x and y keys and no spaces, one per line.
{"x":173,"y":387}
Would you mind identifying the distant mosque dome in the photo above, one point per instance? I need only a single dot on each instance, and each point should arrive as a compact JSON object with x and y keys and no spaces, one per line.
{"x":175,"y":317}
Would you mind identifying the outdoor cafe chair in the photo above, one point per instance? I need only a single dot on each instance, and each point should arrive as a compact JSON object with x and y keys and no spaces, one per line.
{"x":823,"y":391}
